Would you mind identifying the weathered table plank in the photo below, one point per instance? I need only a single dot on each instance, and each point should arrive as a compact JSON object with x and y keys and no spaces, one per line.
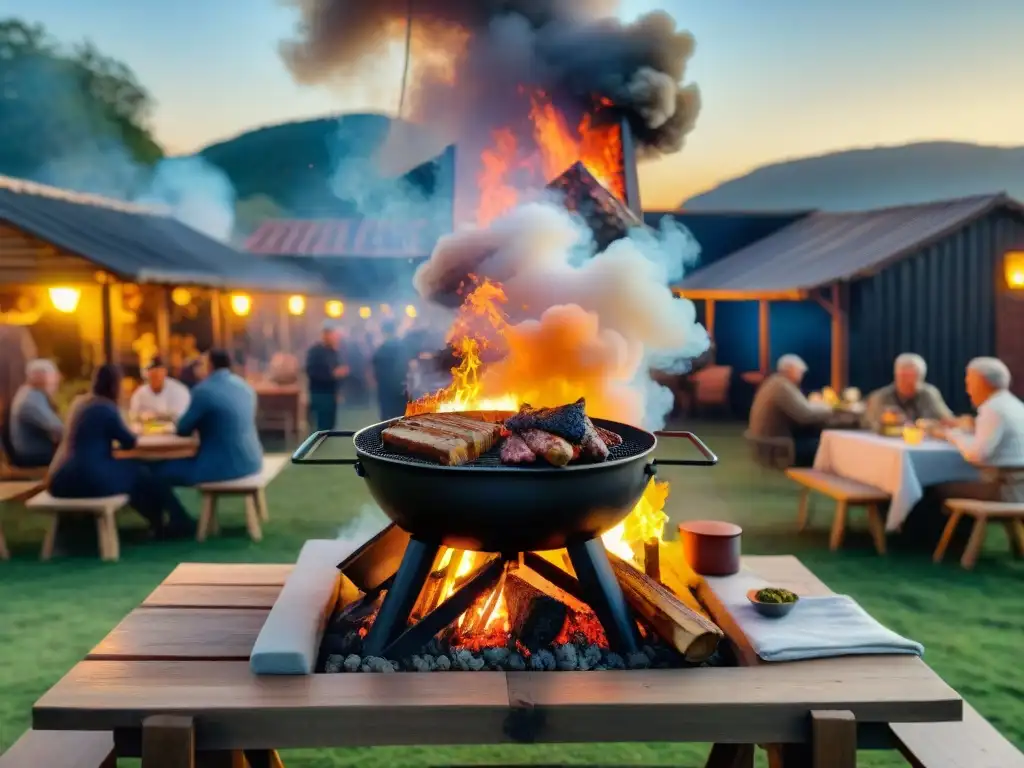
{"x":212,"y":596}
{"x":228,"y":574}
{"x":239,"y":710}
{"x":178,"y":633}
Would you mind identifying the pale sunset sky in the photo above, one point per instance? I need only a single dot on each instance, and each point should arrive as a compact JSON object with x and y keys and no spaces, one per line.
{"x":779,"y":78}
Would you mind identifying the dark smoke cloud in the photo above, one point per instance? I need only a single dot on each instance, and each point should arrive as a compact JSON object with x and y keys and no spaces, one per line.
{"x":572,"y":47}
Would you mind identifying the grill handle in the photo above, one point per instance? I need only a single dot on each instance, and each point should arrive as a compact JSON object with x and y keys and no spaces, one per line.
{"x":304,"y":453}
{"x":709,"y":460}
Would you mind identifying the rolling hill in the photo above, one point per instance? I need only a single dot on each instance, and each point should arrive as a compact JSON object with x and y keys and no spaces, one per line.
{"x":872,"y":178}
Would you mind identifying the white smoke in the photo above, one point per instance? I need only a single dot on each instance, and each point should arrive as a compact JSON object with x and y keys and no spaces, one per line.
{"x":368,"y":522}
{"x":598,"y":321}
{"x":198,"y":194}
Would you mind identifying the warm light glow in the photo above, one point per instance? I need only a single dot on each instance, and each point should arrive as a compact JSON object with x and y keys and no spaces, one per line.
{"x":1014,"y":266}
{"x":365,"y":313}
{"x":65,"y":299}
{"x":181,"y":296}
{"x":334,"y":308}
{"x":296,"y":305}
{"x":410,"y":310}
{"x":241,"y":303}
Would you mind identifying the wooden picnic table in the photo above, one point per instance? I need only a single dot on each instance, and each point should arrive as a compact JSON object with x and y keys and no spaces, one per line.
{"x":161,"y":447}
{"x":172,"y":680}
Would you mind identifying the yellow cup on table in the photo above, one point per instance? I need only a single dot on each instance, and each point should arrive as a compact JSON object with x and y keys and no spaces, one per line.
{"x":913,"y":435}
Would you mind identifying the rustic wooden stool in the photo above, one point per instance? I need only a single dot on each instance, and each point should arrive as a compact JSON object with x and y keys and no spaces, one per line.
{"x":846,"y":493}
{"x":1010,"y":515}
{"x":251,"y":488}
{"x":104,"y":509}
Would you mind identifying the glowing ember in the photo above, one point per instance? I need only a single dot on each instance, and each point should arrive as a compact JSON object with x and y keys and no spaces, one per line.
{"x":505,"y":167}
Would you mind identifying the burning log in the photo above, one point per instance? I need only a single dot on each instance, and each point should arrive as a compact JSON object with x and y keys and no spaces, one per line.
{"x":534,"y":618}
{"x":607,"y":216}
{"x":693,"y":635}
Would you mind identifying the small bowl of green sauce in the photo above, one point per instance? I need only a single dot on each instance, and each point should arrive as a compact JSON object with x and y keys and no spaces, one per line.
{"x":772,"y":602}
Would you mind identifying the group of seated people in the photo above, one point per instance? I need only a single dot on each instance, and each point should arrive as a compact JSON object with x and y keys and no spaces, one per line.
{"x":79,"y":452}
{"x":994,"y":439}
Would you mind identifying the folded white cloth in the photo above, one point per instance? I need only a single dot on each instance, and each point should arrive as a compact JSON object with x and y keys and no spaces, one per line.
{"x":816,"y":628}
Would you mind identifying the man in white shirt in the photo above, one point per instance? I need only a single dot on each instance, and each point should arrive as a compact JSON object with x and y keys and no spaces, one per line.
{"x":161,"y":397}
{"x":998,"y":436}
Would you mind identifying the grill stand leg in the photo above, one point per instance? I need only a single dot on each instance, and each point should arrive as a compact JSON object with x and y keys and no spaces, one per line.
{"x":394,"y":613}
{"x":602,"y":591}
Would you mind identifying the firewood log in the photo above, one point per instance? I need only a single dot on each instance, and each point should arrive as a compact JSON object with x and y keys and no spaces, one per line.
{"x":534,"y":619}
{"x":693,"y":635}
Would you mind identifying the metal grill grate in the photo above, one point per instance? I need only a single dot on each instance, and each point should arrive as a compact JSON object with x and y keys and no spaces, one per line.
{"x":635,"y":442}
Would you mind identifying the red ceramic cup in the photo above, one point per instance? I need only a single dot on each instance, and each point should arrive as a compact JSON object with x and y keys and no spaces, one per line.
{"x":711,"y":547}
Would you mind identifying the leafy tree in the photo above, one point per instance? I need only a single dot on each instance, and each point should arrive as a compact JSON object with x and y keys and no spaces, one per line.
{"x":70,"y":114}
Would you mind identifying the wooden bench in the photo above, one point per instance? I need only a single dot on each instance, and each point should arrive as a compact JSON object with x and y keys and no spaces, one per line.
{"x":1009,"y":515}
{"x":61,"y":749}
{"x":846,"y":493}
{"x":970,"y":743}
{"x":251,"y":488}
{"x":15,"y":491}
{"x":104,"y":509}
{"x":771,"y":452}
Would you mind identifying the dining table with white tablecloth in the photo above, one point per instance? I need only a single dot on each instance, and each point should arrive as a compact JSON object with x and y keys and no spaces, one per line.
{"x":891,"y":464}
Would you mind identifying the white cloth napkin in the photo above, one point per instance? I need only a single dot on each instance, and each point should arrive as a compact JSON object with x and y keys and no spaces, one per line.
{"x":816,"y":628}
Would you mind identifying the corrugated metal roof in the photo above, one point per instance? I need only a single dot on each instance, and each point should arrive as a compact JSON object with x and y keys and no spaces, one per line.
{"x":823,"y":248}
{"x":370,"y":238}
{"x":139,"y":243}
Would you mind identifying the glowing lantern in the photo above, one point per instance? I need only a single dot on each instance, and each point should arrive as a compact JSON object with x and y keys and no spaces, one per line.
{"x":65,"y":299}
{"x":1013,"y":264}
{"x":410,"y":310}
{"x":181,"y":296}
{"x":365,"y":313}
{"x":334,"y":309}
{"x":240,"y":304}
{"x":296,"y":305}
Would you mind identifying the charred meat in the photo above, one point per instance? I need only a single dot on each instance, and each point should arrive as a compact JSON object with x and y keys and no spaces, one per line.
{"x":555,"y":450}
{"x":609,"y":438}
{"x":449,"y":439}
{"x":592,"y":446}
{"x":515,"y":451}
{"x":566,"y":421}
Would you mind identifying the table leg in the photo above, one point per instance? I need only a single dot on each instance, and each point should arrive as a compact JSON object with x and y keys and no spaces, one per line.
{"x":221,"y":759}
{"x":833,"y":739}
{"x":263,"y":758}
{"x":731,"y":756}
{"x":168,"y":742}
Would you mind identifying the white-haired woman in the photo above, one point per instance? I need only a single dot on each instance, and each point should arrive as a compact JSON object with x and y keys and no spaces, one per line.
{"x":908,"y":395}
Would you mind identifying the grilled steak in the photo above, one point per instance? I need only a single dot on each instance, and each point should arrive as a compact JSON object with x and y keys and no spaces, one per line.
{"x":611,"y":439}
{"x":553,"y":449}
{"x":515,"y":451}
{"x":446,"y":438}
{"x":566,"y":421}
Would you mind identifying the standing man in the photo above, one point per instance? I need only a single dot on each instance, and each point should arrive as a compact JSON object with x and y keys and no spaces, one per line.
{"x":390,"y":369}
{"x":161,"y":397}
{"x":324,"y":371}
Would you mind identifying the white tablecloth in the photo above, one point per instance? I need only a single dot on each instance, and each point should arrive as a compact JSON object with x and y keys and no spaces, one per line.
{"x":890,"y":464}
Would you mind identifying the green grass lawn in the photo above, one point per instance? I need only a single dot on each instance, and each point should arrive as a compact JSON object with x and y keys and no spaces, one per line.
{"x":971,"y":624}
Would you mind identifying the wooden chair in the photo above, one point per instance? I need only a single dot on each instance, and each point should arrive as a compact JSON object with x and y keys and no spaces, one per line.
{"x":775,"y":453}
{"x":712,"y":388}
{"x":280,"y":410}
{"x":1008,"y":514}
{"x":61,"y":749}
{"x":251,"y":488}
{"x":104,"y":510}
{"x":846,"y":493}
{"x":17,"y":490}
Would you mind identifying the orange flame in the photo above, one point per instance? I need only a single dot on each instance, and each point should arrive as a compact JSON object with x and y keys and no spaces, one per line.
{"x":558,"y":146}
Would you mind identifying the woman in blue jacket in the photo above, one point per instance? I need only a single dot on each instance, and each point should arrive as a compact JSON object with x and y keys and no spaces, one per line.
{"x":85,"y":467}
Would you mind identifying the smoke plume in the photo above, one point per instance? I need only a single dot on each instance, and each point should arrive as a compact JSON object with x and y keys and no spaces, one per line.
{"x":470,"y":56}
{"x":579,"y":323}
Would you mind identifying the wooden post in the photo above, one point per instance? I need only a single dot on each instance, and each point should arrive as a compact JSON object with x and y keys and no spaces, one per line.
{"x":709,"y":318}
{"x":285,"y":336}
{"x":107,"y":309}
{"x":764,"y":345}
{"x":216,"y":320}
{"x":834,"y":739}
{"x":163,"y":322}
{"x":840,"y":337}
{"x":168,"y":742}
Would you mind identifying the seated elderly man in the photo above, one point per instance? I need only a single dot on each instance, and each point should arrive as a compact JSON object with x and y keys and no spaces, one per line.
{"x":161,"y":397}
{"x":780,"y":409}
{"x":908,"y":394}
{"x":998,"y":436}
{"x":34,"y":429}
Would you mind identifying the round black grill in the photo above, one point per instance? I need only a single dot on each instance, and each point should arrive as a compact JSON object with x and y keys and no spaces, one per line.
{"x":635,"y":442}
